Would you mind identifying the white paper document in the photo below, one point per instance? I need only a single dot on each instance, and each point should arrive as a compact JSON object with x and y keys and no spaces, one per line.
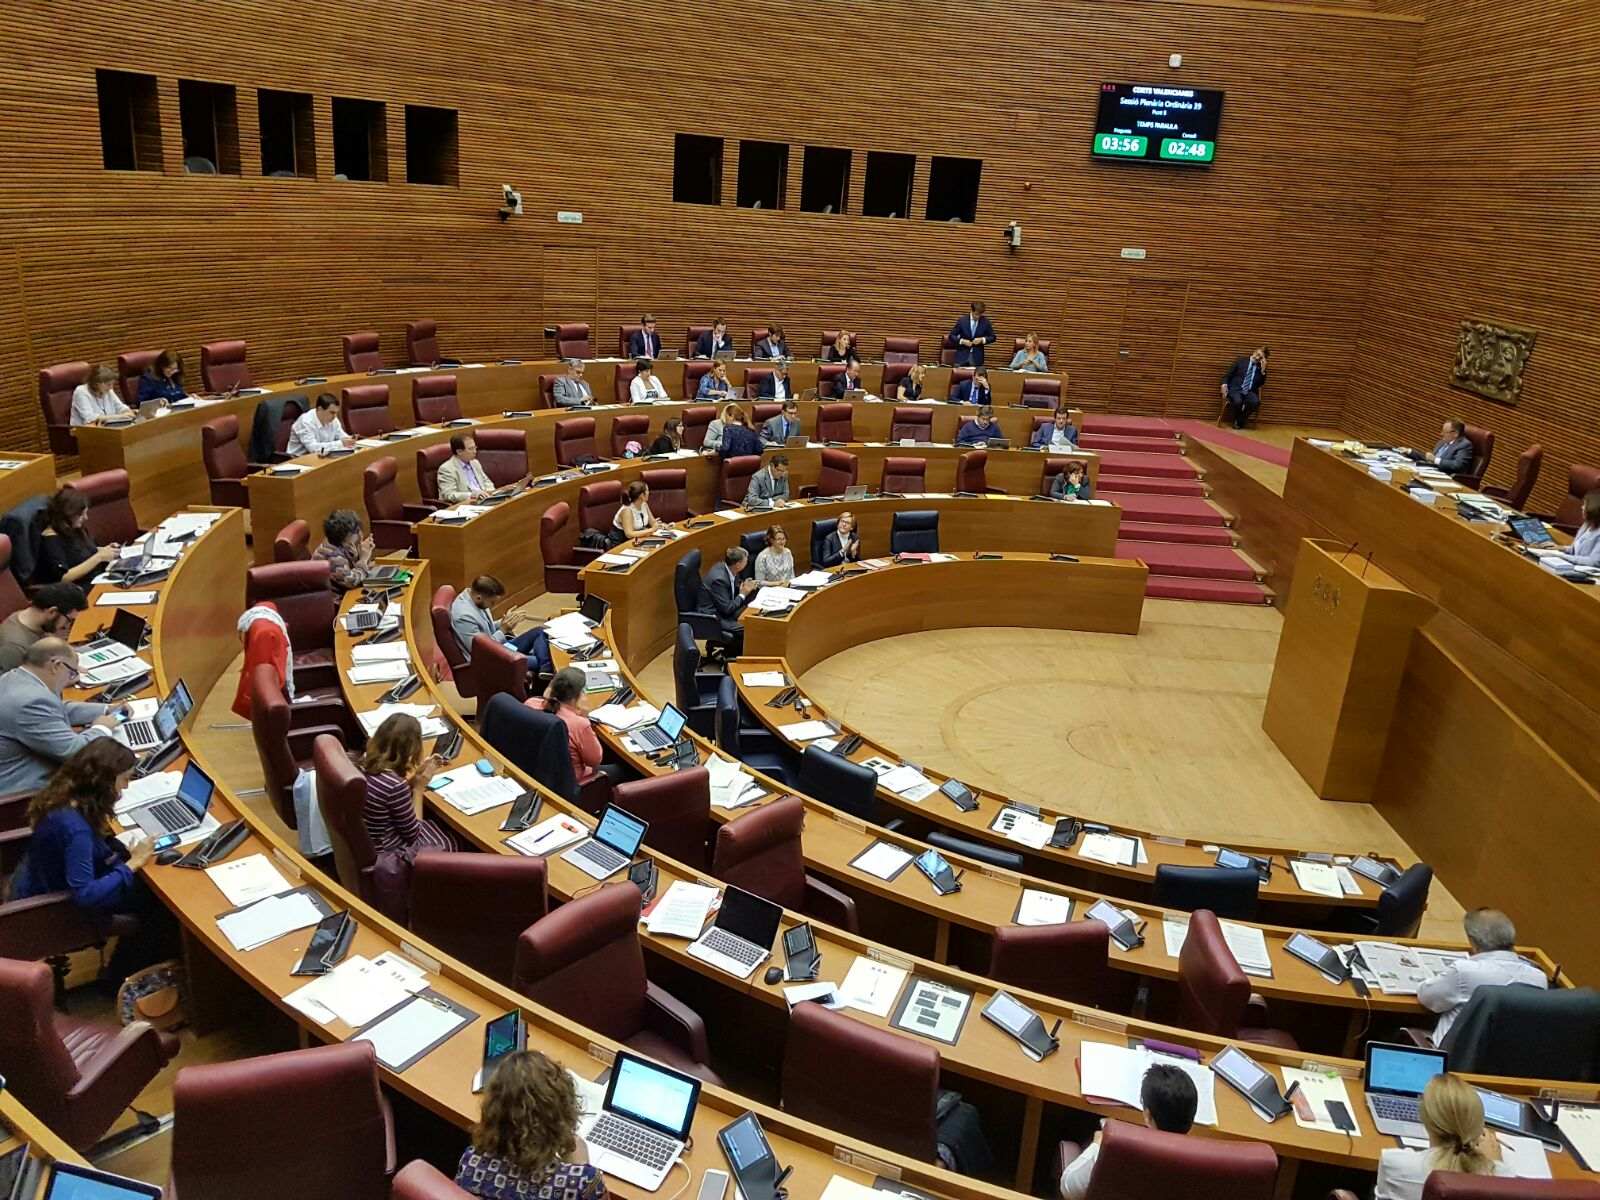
{"x":548,"y":835}
{"x":614,"y":559}
{"x":771,"y":598}
{"x":432,"y":726}
{"x":471,"y":793}
{"x":1043,"y":908}
{"x":356,"y":991}
{"x":368,"y":652}
{"x":1525,"y":1157}
{"x":1246,"y":943}
{"x":615,"y":716}
{"x":883,"y":860}
{"x":731,"y":785}
{"x":909,"y":782}
{"x":682,"y":910}
{"x":1117,"y":1073}
{"x":806,"y":731}
{"x":125,"y":599}
{"x":403,"y":1034}
{"x":1023,"y":828}
{"x":871,"y":986}
{"x":268,"y":919}
{"x":775,"y":679}
{"x":1402,"y":970}
{"x":825,"y":993}
{"x":378,"y":672}
{"x":1115,"y":849}
{"x":247,"y":879}
{"x":1580,"y":1125}
{"x":1320,"y":879}
{"x":811,"y":579}
{"x":115,"y":652}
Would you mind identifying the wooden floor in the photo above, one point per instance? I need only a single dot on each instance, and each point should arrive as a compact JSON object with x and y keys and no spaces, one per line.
{"x":1281,"y":436}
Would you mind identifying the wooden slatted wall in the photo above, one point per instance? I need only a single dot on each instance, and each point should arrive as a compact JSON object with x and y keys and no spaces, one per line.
{"x":576,"y":104}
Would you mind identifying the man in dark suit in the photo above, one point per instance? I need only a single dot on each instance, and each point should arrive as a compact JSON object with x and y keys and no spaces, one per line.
{"x":848,"y":381}
{"x":971,"y":334}
{"x":727,"y":597}
{"x":971,"y":391}
{"x":715,"y":342}
{"x":1241,"y":386}
{"x":777,"y":385}
{"x":646,"y":342}
{"x":1453,"y":452}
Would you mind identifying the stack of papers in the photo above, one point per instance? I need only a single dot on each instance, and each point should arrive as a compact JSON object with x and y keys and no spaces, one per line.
{"x":358,"y":989}
{"x":770,"y":599}
{"x":115,"y":652}
{"x":125,"y":599}
{"x":471,"y":793}
{"x":811,"y":579}
{"x":268,"y":919}
{"x":1023,"y":827}
{"x":247,"y":879}
{"x":615,"y":559}
{"x":731,"y":785}
{"x":882,"y":859}
{"x":1246,"y":943}
{"x":391,"y":671}
{"x":548,"y":836}
{"x":775,"y":679}
{"x":1117,"y":1073}
{"x":615,"y":716}
{"x":1320,"y":879}
{"x":871,"y":987}
{"x":682,"y":910}
{"x":1401,"y":970}
{"x":806,"y":731}
{"x":1043,"y":908}
{"x":432,"y":726}
{"x":371,"y":652}
{"x":908,"y":782}
{"x":113,"y":672}
{"x":1115,"y":849}
{"x":570,"y":631}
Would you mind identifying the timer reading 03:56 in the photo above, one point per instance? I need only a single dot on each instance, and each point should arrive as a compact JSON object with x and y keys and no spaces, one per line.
{"x":1122,"y":145}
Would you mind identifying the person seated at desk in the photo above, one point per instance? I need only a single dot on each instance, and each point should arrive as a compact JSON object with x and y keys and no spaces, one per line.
{"x":981,"y":428}
{"x":73,"y":848}
{"x":972,"y":391}
{"x":646,"y":387}
{"x":634,"y":519}
{"x":730,"y":415}
{"x":715,"y":384}
{"x":50,"y":613}
{"x":162,"y":379}
{"x":563,"y":698}
{"x":1060,"y":434}
{"x":779,"y":429}
{"x":67,"y":551}
{"x":525,"y":1145}
{"x":971,"y":334}
{"x":470,"y":615}
{"x":842,"y":545}
{"x":396,"y":774}
{"x":1452,"y":454}
{"x":1072,"y":483}
{"x":320,"y":427}
{"x":38,"y":729}
{"x":842,"y":350}
{"x":346,"y":550}
{"x":1494,"y":962}
{"x":1585,"y":548}
{"x":909,"y":389}
{"x":1169,"y":1100}
{"x":726,"y":595}
{"x":96,"y":400}
{"x":775,"y":564}
{"x":714,"y":341}
{"x":774,"y":345}
{"x":461,"y":476}
{"x":738,"y":439}
{"x":771,"y":482}
{"x":1457,"y":1141}
{"x":572,"y":390}
{"x":848,"y":382}
{"x":670,"y":439}
{"x":1030,"y":357}
{"x":777,"y":386}
{"x":1241,"y":386}
{"x":645,"y":342}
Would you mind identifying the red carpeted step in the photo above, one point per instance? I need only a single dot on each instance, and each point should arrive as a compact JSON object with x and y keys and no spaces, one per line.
{"x":1228,"y":591}
{"x":1138,"y":426}
{"x":1176,"y":510}
{"x":1128,"y":462}
{"x":1200,"y":562}
{"x":1151,"y":485}
{"x":1194,"y":535}
{"x":1120,"y":441}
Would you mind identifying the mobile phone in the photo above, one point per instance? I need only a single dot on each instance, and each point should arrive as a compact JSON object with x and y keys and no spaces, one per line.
{"x":713,"y":1184}
{"x":165,"y":842}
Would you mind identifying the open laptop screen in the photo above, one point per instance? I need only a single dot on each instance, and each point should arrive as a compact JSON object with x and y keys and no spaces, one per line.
{"x":173,"y":710}
{"x":1402,"y":1070}
{"x":195,"y":789}
{"x":127,"y":628}
{"x":671,"y":722}
{"x":620,"y":831}
{"x":752,"y":918}
{"x":68,"y":1182}
{"x":652,"y":1095}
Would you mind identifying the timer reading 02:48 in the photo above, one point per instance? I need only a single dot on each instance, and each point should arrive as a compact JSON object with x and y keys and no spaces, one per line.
{"x":1188,"y":150}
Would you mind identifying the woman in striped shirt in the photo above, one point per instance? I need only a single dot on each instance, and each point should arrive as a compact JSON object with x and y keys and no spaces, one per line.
{"x":396,"y":774}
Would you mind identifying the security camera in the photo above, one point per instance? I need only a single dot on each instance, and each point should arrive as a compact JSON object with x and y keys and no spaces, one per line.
{"x":511,"y":205}
{"x":1013,"y":235}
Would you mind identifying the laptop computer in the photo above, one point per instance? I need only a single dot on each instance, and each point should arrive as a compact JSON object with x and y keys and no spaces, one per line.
{"x":616,"y":840}
{"x":856,"y":491}
{"x":180,"y":813}
{"x":123,"y":638}
{"x":1530,"y":531}
{"x":1394,"y":1079}
{"x":382,"y":575}
{"x":69,"y":1182}
{"x":594,"y":608}
{"x":143,"y":735}
{"x":643,"y":1123}
{"x":663,"y":733}
{"x":741,"y":938}
{"x":357,"y":622}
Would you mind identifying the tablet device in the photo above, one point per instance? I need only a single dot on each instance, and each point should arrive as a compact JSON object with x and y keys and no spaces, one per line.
{"x":502,"y":1037}
{"x":802,"y":960}
{"x":960,"y":794}
{"x":1114,"y":919}
{"x":1251,"y":1080}
{"x":749,"y":1154}
{"x":68,"y":1182}
{"x":1320,"y":955}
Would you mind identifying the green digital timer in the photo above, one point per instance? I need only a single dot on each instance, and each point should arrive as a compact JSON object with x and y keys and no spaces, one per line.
{"x":1187,"y":150}
{"x":1121,"y":145}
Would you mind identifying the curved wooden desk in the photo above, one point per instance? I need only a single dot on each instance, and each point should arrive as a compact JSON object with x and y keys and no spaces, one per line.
{"x":34,"y":475}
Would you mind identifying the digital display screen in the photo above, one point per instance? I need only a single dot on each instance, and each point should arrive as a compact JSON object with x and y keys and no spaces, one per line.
{"x":1139,"y":122}
{"x":1239,"y":1068}
{"x":620,"y":831}
{"x":500,"y":1038}
{"x":744,"y":1143}
{"x":1397,"y":1069}
{"x":646,"y":1093}
{"x":1008,"y":1014}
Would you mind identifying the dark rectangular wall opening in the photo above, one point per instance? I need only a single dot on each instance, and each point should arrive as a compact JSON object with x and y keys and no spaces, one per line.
{"x":431,"y":146}
{"x":288,"y":134}
{"x":953,"y":189}
{"x":209,"y":115}
{"x":130,"y":121}
{"x":360,"y":140}
{"x":824,"y":180}
{"x":696,"y":169}
{"x":763,"y":174}
{"x":888,"y":184}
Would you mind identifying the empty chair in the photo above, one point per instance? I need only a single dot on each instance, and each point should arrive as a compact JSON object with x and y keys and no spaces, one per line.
{"x":475,"y":906}
{"x":1581,"y":480}
{"x":678,"y":808}
{"x":75,"y":1076}
{"x":1136,"y":1163}
{"x":752,"y":543}
{"x":839,"y":470}
{"x":972,"y":474}
{"x":697,"y":419}
{"x":835,"y":423}
{"x":1401,"y":904}
{"x":914,"y":532}
{"x":1227,"y":891}
{"x":836,"y":781}
{"x":904,"y":474}
{"x":584,"y":961}
{"x":429,"y":460}
{"x":669,"y":493}
{"x":629,"y":427}
{"x":762,"y":852}
{"x":1041,"y":393}
{"x":389,"y":516}
{"x":361,"y":352}
{"x":418,"y":1180}
{"x":535,"y":742}
{"x":503,"y":454}
{"x":695,"y":690}
{"x":734,"y":479}
{"x":288,"y":414}
{"x":501,"y":669}
{"x":731,"y":733}
{"x":304,"y":598}
{"x":690,"y":599}
{"x":225,"y":462}
{"x":364,"y":410}
{"x":444,"y":637}
{"x":131,"y":364}
{"x":316,"y":1116}
{"x":222,"y":366}
{"x":622,"y":383}
{"x":1528,"y":1033}
{"x":433,"y":399}
{"x":286,"y":736}
{"x":293,"y":543}
{"x":574,"y":441}
{"x":1528,"y":463}
{"x":598,"y":503}
{"x":947,"y":351}
{"x":913,"y":423}
{"x":624,"y":337}
{"x":563,"y":558}
{"x":573,"y":341}
{"x":110,"y":514}
{"x":1482,"y":451}
{"x":422,"y":343}
{"x":901,"y":350}
{"x":56,"y":385}
{"x":1213,"y":993}
{"x":1070,"y":961}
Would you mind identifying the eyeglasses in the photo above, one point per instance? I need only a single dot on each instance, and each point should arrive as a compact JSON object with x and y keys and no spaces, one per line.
{"x":72,"y":668}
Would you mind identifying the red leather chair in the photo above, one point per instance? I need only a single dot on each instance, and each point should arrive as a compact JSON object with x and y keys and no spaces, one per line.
{"x":573,"y":341}
{"x":1213,"y":993}
{"x":547,"y":389}
{"x":840,"y":469}
{"x":50,"y":926}
{"x":418,"y":1180}
{"x":669,"y":493}
{"x":293,"y":543}
{"x":390,"y":517}
{"x":692,"y":336}
{"x":762,"y":853}
{"x":760,"y":414}
{"x":1071,"y":961}
{"x":361,"y":352}
{"x":696,"y":419}
{"x":433,"y":399}
{"x":225,"y":462}
{"x":622,"y":385}
{"x":56,"y":385}
{"x":584,"y":960}
{"x":422,"y":343}
{"x":287,"y":416}
{"x":598,"y":503}
{"x":498,"y":668}
{"x":316,"y":1117}
{"x":755,"y":378}
{"x":1136,"y":1163}
{"x":905,"y":475}
{"x":693,"y":372}
{"x":1041,"y":393}
{"x":304,"y":598}
{"x":893,"y":373}
{"x":678,"y":808}
{"x":1455,"y":1185}
{"x":558,"y":547}
{"x":342,"y":794}
{"x":734,"y":480}
{"x":12,"y":598}
{"x":972,"y":474}
{"x":901,"y":350}
{"x":1482,"y":451}
{"x":503,"y":455}
{"x":1044,"y":347}
{"x":461,"y":671}
{"x":624,"y":336}
{"x":1528,"y":464}
{"x":364,"y":410}
{"x":828,"y":376}
{"x":1047,"y":474}
{"x":957,"y":375}
{"x":574,"y":439}
{"x":846,"y":1074}
{"x":110,"y":514}
{"x":429,"y":460}
{"x":829,"y":336}
{"x":913,"y":423}
{"x":629,"y":427}
{"x":947,"y":352}
{"x":222,"y":366}
{"x":475,"y":906}
{"x":835,"y":423}
{"x":1581,"y":480}
{"x":286,"y":734}
{"x":76,"y":1076}
{"x":131,"y":364}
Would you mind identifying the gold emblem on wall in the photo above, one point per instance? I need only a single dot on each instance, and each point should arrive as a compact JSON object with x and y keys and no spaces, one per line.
{"x":1326,"y":594}
{"x":1490,"y":360}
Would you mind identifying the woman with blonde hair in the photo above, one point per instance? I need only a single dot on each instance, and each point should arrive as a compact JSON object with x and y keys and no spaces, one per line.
{"x":525,"y":1145}
{"x":96,"y":400}
{"x":731,"y":414}
{"x":1457,"y":1141}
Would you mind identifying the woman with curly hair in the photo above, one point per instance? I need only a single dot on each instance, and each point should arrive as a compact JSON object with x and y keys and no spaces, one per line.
{"x":525,"y":1145}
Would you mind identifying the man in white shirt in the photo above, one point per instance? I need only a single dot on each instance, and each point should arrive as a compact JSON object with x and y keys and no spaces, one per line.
{"x":646,"y":388}
{"x":318,"y":428}
{"x":572,"y":390}
{"x":1169,"y":1101}
{"x":461,"y":476}
{"x":1494,"y":963}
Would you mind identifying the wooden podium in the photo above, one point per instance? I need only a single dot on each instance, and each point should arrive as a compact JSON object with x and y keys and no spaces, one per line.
{"x":1346,"y":636}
